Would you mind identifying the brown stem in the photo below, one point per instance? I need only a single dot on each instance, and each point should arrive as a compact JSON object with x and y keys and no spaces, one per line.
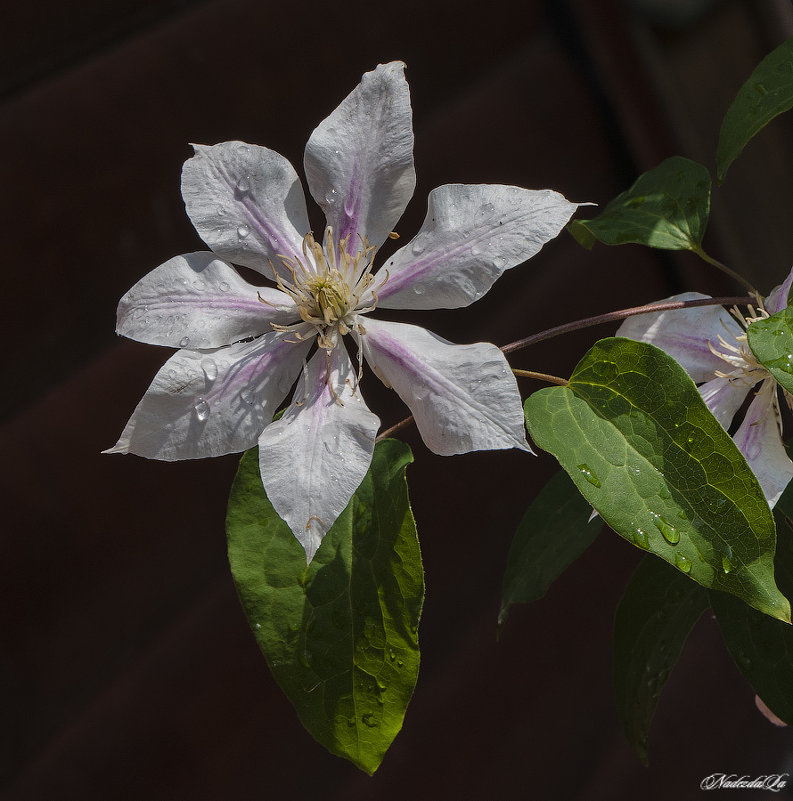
{"x":394,"y":428}
{"x":553,"y":379}
{"x":611,"y":317}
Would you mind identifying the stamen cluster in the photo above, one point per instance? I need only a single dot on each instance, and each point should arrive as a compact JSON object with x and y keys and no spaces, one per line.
{"x":329,"y":286}
{"x":748,"y":370}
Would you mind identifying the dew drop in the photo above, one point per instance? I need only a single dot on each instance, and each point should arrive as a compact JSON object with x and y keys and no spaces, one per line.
{"x":247,"y":395}
{"x":304,"y":657}
{"x":184,"y":342}
{"x":664,"y":493}
{"x":682,"y":563}
{"x":391,"y":654}
{"x":201,"y":410}
{"x":369,"y":720}
{"x":223,"y":286}
{"x":199,"y":284}
{"x":589,"y":475}
{"x":726,"y":559}
{"x":488,"y":208}
{"x":668,"y":531}
{"x":418,"y":247}
{"x":210,"y":369}
{"x":244,"y":185}
{"x":331,"y":196}
{"x":243,"y":231}
{"x":641,"y":539}
{"x":418,"y":290}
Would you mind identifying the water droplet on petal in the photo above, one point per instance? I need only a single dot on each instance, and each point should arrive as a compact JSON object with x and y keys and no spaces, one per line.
{"x":201,"y":410}
{"x":184,"y":342}
{"x":488,"y":208}
{"x":243,"y":231}
{"x":244,"y":185}
{"x":210,"y":368}
{"x":331,"y":196}
{"x":589,"y":475}
{"x":224,"y":286}
{"x":247,"y":395}
{"x":418,"y":247}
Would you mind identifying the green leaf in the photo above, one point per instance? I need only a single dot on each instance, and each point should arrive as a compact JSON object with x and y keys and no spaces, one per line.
{"x":340,"y":635}
{"x":767,"y":93}
{"x":554,"y":532}
{"x":771,"y":341}
{"x":666,"y":208}
{"x":640,"y":444}
{"x":654,"y":618}
{"x":761,"y":647}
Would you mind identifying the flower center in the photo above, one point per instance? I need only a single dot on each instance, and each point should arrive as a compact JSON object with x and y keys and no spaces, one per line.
{"x":329,"y":285}
{"x":746,"y":368}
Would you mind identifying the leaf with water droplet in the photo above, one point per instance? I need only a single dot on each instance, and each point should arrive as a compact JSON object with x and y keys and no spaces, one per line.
{"x":666,"y":208}
{"x":771,"y":341}
{"x":648,"y":644}
{"x":763,"y":648}
{"x":553,"y":533}
{"x":767,"y":93}
{"x":340,"y":635}
{"x":664,"y":465}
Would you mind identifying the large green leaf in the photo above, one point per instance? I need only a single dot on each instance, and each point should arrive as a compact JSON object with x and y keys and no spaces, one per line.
{"x":666,"y":208}
{"x":763,"y":648}
{"x":554,"y":532}
{"x":654,"y":618}
{"x":771,"y":341}
{"x":340,"y":635}
{"x":635,"y":436}
{"x":767,"y":93}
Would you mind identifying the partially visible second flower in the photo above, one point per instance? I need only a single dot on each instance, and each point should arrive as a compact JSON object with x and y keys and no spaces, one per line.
{"x":243,"y":347}
{"x":711,"y":345}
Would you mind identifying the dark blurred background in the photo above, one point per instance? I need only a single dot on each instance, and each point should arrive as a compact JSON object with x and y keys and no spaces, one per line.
{"x":127,"y":668}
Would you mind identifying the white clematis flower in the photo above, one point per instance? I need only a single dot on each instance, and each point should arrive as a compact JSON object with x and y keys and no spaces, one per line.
{"x":243,"y":347}
{"x":711,"y":345}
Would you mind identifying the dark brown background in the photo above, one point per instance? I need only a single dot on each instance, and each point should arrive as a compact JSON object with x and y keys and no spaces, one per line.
{"x":127,"y":668}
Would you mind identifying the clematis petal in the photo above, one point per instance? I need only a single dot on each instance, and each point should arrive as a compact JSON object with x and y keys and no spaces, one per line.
{"x":196,"y":300}
{"x":777,"y":300}
{"x":724,"y":397}
{"x":246,"y":203}
{"x":463,"y":397}
{"x":314,"y":458}
{"x":359,"y":161}
{"x":470,"y":236}
{"x":759,"y":440}
{"x":684,"y":334}
{"x":207,"y":403}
